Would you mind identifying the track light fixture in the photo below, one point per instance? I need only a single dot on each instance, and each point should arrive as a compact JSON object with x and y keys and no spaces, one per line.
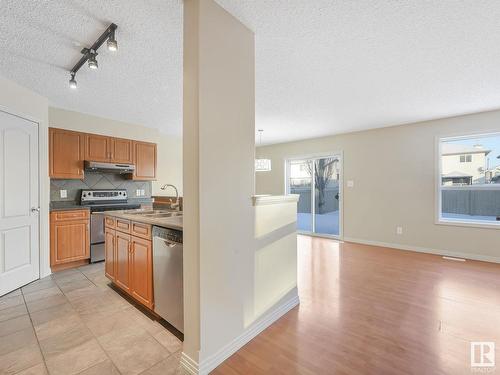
{"x":72,"y":81}
{"x":90,"y":54}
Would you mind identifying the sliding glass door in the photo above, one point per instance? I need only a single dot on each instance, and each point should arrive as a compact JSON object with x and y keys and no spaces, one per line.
{"x":317,"y":181}
{"x":300,"y":182}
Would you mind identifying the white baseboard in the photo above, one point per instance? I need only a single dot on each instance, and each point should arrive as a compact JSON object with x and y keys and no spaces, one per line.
{"x":484,"y":258}
{"x":210,"y":363}
{"x":189,"y":365}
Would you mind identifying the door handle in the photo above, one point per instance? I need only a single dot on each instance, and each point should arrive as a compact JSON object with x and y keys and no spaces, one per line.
{"x":35,"y":209}
{"x":169,"y":243}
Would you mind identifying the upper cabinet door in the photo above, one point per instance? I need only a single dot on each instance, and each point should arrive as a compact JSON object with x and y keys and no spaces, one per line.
{"x":97,"y":148}
{"x":66,"y":154}
{"x":145,"y":161}
{"x":121,"y":150}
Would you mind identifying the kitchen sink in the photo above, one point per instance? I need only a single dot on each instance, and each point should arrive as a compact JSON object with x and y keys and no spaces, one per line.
{"x":165,"y":214}
{"x":141,"y":212}
{"x":154,"y":212}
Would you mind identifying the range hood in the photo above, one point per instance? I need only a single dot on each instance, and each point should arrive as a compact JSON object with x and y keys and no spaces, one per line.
{"x":94,"y":166}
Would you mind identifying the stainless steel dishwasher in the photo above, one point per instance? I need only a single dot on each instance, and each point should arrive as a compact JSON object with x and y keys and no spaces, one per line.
{"x":167,"y":276}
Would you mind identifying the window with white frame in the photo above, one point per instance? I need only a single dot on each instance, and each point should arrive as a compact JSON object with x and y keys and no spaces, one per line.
{"x":469,"y":180}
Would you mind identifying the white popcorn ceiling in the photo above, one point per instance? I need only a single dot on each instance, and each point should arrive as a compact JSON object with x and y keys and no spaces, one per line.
{"x":329,"y":66}
{"x":322,"y":66}
{"x":40,"y":41}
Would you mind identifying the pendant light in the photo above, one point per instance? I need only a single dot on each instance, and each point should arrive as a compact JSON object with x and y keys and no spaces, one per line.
{"x":262,"y":165}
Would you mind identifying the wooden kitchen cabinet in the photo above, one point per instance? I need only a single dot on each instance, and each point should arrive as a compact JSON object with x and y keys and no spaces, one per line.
{"x":69,"y":238}
{"x":129,"y":259}
{"x":68,"y":150}
{"x":144,"y":154}
{"x":66,"y":154}
{"x":97,"y":148}
{"x":121,"y":150}
{"x":141,"y":271}
{"x":109,"y":249}
{"x":122,"y":260}
{"x":108,"y":149}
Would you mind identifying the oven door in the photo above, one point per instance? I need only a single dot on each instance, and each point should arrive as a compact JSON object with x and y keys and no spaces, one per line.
{"x":96,"y":227}
{"x":96,"y":237}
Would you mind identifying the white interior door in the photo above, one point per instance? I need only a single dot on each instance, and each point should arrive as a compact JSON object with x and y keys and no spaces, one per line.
{"x":19,"y":219}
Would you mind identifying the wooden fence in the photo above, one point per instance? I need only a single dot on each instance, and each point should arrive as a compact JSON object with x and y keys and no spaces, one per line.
{"x":482,"y":202}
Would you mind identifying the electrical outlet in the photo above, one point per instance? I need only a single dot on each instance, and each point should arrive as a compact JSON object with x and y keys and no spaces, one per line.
{"x":63,"y":193}
{"x":399,"y":230}
{"x":138,"y":193}
{"x":350,"y":183}
{"x":143,"y":193}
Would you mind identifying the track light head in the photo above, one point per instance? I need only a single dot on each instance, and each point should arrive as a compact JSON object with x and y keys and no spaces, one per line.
{"x":112,"y":43}
{"x":72,"y":82}
{"x":93,"y":60}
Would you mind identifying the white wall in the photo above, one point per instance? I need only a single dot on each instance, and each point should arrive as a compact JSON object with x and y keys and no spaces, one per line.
{"x":25,"y":103}
{"x":169,"y":152}
{"x":219,"y":125}
{"x":394,"y":171}
{"x":275,"y":277}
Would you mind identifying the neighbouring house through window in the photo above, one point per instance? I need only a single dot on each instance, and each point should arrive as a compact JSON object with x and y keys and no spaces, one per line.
{"x":466,"y":158}
{"x":469,"y":180}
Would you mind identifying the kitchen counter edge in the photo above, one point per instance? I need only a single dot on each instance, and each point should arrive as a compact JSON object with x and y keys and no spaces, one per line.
{"x":170,"y":223}
{"x":67,"y":208}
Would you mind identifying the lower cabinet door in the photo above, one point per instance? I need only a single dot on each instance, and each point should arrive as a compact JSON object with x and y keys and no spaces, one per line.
{"x":122,"y":265}
{"x":69,"y":241}
{"x":109,"y":266}
{"x":141,"y":271}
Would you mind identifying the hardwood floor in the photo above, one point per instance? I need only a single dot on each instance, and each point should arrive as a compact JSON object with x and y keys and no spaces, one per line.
{"x":373,"y":310}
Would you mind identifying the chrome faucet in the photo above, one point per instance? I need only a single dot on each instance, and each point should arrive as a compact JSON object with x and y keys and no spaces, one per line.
{"x":175,"y":205}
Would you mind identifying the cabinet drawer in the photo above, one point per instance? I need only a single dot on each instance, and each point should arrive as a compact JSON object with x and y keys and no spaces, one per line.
{"x":70,"y":215}
{"x":141,"y":230}
{"x":123,"y":225}
{"x":110,"y":222}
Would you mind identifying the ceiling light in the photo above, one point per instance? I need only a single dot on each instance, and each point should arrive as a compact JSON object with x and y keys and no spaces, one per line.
{"x":72,"y":82}
{"x":93,"y":60}
{"x":89,"y":54}
{"x":262,"y":165}
{"x":112,"y":43}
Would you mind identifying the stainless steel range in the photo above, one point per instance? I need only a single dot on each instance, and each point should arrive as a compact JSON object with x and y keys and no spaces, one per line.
{"x":99,"y":201}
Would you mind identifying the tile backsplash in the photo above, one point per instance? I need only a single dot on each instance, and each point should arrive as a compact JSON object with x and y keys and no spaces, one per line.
{"x":97,"y":180}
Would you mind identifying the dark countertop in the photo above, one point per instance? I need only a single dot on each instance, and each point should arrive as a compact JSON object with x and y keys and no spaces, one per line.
{"x":65,"y":206}
{"x":141,"y":216}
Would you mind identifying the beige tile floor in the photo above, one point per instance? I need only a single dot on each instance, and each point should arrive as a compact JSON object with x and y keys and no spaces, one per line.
{"x":72,"y":322}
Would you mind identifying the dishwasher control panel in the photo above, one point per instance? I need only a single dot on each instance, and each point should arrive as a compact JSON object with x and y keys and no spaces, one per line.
{"x":168,"y":234}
